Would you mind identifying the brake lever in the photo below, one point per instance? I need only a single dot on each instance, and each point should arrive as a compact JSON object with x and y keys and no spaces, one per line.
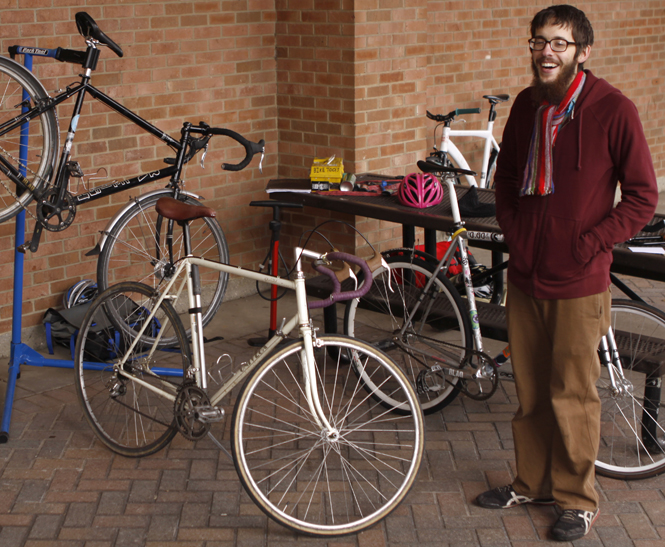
{"x":203,"y":156}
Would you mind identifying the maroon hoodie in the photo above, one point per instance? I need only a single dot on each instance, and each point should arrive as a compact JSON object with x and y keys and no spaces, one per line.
{"x":561,"y":244}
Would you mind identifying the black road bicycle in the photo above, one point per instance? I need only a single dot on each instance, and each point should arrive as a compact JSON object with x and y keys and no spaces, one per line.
{"x":137,"y":244}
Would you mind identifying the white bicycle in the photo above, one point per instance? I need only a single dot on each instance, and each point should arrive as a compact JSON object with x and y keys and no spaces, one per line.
{"x":449,"y":155}
{"x":312,"y":447}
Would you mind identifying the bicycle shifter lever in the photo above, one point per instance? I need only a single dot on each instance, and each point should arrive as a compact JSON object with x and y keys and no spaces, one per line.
{"x":203,"y":156}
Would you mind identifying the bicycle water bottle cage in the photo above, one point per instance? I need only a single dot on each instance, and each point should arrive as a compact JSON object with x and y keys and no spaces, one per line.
{"x":91,"y":32}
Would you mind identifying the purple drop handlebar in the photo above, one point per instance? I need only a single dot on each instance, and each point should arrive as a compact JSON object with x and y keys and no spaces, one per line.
{"x":337,"y":295}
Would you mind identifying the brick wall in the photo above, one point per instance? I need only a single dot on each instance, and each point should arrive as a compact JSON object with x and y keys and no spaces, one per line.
{"x":311,"y":77}
{"x":195,"y":60}
{"x":417,"y":55}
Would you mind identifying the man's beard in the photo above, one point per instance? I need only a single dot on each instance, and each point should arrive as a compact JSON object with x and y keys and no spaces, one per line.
{"x":553,"y":92}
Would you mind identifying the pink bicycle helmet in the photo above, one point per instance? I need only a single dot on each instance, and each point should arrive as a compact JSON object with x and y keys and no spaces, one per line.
{"x":420,"y":190}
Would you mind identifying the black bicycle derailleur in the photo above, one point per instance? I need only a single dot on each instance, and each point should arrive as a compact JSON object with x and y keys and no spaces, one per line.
{"x":193,"y":412}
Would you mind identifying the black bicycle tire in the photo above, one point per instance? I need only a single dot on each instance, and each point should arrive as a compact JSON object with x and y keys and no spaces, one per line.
{"x":136,"y":211}
{"x":49,"y":135}
{"x":405,"y":259}
{"x":103,"y":410}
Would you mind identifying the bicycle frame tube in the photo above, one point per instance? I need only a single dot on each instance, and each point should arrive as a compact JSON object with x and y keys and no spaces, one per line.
{"x":79,"y":90}
{"x":451,"y":149}
{"x":301,"y":319}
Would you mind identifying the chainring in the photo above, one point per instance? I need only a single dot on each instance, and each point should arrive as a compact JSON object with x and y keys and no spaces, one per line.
{"x":56,"y":216}
{"x":189,"y":399}
{"x":484,"y":380}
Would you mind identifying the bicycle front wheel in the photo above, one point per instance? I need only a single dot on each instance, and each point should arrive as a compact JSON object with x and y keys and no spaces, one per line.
{"x":28,"y":150}
{"x":439,"y":333}
{"x":127,"y":394}
{"x":632,"y":443}
{"x":136,"y":250}
{"x":312,"y":480}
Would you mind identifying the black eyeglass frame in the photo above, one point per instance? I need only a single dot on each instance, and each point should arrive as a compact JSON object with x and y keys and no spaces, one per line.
{"x":533,"y":41}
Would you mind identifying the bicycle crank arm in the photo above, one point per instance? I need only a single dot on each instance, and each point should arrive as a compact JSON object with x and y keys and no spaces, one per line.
{"x":33,"y":245}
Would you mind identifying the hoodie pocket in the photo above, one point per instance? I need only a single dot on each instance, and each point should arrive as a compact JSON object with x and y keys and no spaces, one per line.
{"x":558,"y":256}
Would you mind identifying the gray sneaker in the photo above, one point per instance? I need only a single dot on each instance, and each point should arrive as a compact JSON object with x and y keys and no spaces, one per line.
{"x":574,"y":524}
{"x":504,"y":497}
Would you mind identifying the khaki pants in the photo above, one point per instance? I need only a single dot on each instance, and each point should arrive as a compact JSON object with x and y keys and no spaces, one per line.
{"x":553,"y":347}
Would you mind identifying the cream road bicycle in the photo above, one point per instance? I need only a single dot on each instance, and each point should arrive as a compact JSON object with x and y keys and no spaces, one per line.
{"x":449,"y":155}
{"x":311,"y":445}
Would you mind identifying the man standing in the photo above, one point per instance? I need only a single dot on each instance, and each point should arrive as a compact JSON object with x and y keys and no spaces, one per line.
{"x":569,"y":139}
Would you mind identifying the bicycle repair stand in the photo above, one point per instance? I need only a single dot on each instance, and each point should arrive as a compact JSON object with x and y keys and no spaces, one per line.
{"x":21,"y":354}
{"x":276,"y":228}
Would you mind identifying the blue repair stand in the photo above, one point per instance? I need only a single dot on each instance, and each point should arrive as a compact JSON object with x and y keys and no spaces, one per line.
{"x":21,"y":354}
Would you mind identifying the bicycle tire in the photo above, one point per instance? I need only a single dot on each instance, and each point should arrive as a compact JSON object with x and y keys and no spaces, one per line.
{"x":632,"y":444}
{"x":127,"y":417}
{"x":15,"y":80}
{"x":309,"y":481}
{"x":135,"y":250}
{"x":379,"y":315}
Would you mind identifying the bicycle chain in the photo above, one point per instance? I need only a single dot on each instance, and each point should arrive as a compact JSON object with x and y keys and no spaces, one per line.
{"x":140,"y":413}
{"x":65,"y":215}
{"x":461,"y":384}
{"x":11,"y":193}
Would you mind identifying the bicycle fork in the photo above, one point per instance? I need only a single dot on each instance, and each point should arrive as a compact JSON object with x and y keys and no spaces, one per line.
{"x":621,"y":387}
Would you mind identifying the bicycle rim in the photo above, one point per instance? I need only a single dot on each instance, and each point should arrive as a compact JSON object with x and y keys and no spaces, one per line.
{"x":128,"y":417}
{"x":34,"y":155}
{"x":445,"y":332}
{"x":312,"y":482}
{"x":136,"y":250}
{"x":632,"y":443}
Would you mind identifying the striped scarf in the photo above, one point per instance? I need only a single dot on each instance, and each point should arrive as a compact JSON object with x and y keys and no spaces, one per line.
{"x":538,"y":180}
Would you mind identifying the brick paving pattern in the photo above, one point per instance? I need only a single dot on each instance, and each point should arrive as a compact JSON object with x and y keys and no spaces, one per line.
{"x":60,"y":487}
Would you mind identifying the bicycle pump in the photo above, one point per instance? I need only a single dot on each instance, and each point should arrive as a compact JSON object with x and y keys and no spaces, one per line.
{"x":273,"y":259}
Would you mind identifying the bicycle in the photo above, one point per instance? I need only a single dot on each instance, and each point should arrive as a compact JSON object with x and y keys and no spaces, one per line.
{"x":312,"y":448}
{"x":134,"y":244}
{"x":632,"y":443}
{"x":415,"y":313}
{"x":448,"y":155}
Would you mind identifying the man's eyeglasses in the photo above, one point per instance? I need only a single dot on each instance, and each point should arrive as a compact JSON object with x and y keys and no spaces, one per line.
{"x":557,"y":44}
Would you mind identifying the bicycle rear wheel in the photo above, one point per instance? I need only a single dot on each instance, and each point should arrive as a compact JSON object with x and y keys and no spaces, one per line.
{"x":632,"y":444}
{"x":30,"y":149}
{"x":136,"y":250}
{"x":444,"y":332}
{"x":303,"y":477}
{"x":127,"y":416}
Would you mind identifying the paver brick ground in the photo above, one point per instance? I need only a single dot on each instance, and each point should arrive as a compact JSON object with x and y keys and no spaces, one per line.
{"x":60,"y":487}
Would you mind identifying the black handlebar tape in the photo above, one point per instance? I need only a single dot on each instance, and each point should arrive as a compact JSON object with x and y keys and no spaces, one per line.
{"x":337,"y":295}
{"x":251,"y":148}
